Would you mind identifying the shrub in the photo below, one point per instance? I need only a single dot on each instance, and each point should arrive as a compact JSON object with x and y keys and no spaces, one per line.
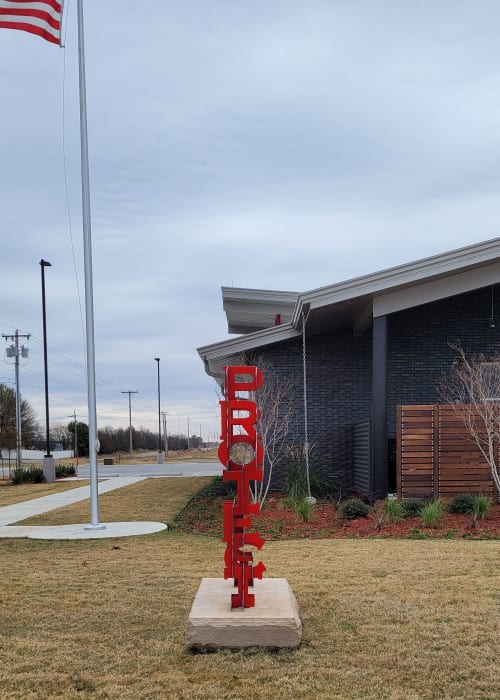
{"x":35,"y":474}
{"x":18,"y":476}
{"x":21,"y":475}
{"x":432,"y":513}
{"x":354,"y":508}
{"x":289,"y":502}
{"x":305,"y":510}
{"x":63,"y":470}
{"x":216,"y":488}
{"x":412,"y":507}
{"x":463,"y":503}
{"x":296,"y":483}
{"x":481,"y":507}
{"x":394,"y":511}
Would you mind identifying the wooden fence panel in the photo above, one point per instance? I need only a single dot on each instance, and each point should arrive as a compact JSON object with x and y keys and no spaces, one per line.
{"x":436,"y":456}
{"x":415,"y":451}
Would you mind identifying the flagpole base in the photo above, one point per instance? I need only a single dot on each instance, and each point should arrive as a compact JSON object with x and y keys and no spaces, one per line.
{"x":99,"y":526}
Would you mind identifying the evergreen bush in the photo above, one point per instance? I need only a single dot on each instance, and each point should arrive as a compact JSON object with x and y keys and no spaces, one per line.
{"x":354,"y":508}
{"x":412,"y":507}
{"x":463,"y":503}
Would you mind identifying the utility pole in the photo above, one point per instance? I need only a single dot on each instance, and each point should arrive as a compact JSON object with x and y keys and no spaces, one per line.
{"x":75,"y":449}
{"x":160,"y":451}
{"x":130,"y":392}
{"x":14,"y":351}
{"x":165,"y":433}
{"x":188,"y":432}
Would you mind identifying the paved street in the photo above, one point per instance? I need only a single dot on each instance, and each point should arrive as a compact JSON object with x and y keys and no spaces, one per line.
{"x":145,"y":470}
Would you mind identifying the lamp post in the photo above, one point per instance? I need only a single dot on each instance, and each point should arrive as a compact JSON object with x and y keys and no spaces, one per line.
{"x":48,"y":460}
{"x":160,"y":451}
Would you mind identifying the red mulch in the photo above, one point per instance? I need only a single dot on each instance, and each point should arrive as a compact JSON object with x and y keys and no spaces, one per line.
{"x":279,"y":522}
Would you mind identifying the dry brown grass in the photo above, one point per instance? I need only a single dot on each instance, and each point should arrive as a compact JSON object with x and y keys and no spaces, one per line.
{"x":402,"y":620}
{"x":152,"y":499}
{"x":395,"y":620}
{"x":10,"y":494}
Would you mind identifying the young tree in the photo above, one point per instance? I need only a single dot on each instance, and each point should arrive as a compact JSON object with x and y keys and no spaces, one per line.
{"x":30,"y":428}
{"x":274,"y":401}
{"x":472,"y":387}
{"x":7,"y":417}
{"x":82,"y":430}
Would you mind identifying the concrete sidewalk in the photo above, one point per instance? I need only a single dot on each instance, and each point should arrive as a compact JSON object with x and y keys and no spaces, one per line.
{"x":27,"y":509}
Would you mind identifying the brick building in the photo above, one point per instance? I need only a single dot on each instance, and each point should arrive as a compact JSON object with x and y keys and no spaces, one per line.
{"x":371,"y":343}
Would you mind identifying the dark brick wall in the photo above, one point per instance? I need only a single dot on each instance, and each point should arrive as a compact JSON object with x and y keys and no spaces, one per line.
{"x":419,"y":346}
{"x":339,"y":372}
{"x":338,"y":392}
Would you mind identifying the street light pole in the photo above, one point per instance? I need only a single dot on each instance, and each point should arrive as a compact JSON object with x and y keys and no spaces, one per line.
{"x":160,"y":451}
{"x":49,"y":472}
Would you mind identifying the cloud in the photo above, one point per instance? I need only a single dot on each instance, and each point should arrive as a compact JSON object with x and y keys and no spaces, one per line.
{"x":279,"y":145}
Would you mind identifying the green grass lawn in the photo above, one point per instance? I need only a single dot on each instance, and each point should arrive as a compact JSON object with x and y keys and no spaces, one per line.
{"x":401,"y":620}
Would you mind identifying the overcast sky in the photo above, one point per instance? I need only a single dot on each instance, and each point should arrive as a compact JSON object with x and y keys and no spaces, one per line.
{"x":275,"y":145}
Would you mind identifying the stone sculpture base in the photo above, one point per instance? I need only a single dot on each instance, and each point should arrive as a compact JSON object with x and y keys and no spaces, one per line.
{"x":274,"y":622}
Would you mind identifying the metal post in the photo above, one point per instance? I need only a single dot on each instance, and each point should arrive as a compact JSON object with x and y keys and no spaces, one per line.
{"x":130,"y":392}
{"x":160,"y":452}
{"x":89,"y":301}
{"x":24,"y":351}
{"x":49,"y":471}
{"x":379,"y":473}
{"x":165,"y":432}
{"x":75,"y":447}
{"x":130,"y":421}
{"x":18,"y":407}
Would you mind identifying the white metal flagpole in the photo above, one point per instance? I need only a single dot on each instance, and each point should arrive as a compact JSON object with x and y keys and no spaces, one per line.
{"x":89,"y":300}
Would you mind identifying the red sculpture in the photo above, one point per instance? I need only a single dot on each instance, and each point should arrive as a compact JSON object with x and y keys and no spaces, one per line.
{"x":239,"y":416}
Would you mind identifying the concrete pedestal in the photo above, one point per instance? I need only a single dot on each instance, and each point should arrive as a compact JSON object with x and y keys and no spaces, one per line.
{"x":49,"y":469}
{"x":159,"y":458}
{"x":274,"y":622}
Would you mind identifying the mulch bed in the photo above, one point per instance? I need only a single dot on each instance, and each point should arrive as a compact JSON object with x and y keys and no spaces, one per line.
{"x":279,"y":521}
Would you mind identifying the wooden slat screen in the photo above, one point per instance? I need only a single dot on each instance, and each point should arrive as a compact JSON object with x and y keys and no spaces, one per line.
{"x":436,"y":455}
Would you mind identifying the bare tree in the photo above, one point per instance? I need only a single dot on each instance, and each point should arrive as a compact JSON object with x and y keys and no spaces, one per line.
{"x":274,"y":401}
{"x":472,"y":387}
{"x":59,"y":433}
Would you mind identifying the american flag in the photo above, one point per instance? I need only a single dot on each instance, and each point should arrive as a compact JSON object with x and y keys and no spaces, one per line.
{"x":42,"y":17}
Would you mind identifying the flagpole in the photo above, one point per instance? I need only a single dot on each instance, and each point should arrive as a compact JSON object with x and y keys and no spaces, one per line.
{"x":89,"y":302}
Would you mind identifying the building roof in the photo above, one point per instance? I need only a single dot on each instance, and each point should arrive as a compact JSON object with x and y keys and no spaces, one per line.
{"x":249,"y":310}
{"x":352,"y":303}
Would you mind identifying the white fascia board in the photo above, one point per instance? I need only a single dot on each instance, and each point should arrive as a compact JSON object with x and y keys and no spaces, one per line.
{"x":401,"y":276}
{"x":250,"y":341}
{"x":266,"y":296}
{"x":441,"y":288}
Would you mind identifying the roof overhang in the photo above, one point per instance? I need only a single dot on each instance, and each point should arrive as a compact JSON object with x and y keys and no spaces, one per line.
{"x":249,"y":310}
{"x":355,"y":301}
{"x":351,"y":304}
{"x":227,"y":352}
